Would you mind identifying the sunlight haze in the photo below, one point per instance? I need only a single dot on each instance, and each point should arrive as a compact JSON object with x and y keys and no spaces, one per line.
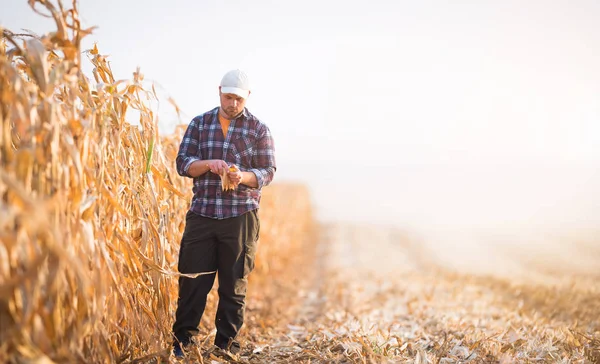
{"x":479,"y":113}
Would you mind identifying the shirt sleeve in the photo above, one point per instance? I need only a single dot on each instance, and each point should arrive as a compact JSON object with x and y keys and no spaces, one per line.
{"x":189,"y":151}
{"x":263,"y":160}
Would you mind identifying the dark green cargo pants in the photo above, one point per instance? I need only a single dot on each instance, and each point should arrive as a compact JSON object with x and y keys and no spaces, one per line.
{"x":227,"y":246}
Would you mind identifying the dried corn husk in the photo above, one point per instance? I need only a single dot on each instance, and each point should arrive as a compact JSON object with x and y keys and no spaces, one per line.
{"x":226,"y":184}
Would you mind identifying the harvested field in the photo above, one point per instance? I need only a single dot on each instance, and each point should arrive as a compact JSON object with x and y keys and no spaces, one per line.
{"x":92,"y":211}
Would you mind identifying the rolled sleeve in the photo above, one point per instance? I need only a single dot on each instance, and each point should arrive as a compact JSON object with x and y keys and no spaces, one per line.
{"x":263,"y":162}
{"x":263,"y":176}
{"x":188,"y":149}
{"x":188,"y":163}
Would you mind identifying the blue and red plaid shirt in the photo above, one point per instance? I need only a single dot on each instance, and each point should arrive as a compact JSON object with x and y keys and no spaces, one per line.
{"x":248,"y":144}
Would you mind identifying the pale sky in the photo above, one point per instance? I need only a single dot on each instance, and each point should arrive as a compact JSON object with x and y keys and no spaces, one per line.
{"x":409,"y":112}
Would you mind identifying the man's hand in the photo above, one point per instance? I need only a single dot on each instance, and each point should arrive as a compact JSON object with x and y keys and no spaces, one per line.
{"x":217,"y":166}
{"x":235,"y":175}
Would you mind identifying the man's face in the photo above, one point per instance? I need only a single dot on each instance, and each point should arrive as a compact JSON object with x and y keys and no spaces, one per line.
{"x":232,"y":104}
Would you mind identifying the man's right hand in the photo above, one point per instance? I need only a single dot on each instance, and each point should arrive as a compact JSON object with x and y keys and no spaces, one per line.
{"x":217,"y":166}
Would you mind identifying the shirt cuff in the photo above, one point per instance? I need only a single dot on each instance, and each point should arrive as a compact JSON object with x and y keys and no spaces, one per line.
{"x":260,"y":178}
{"x":189,"y":163}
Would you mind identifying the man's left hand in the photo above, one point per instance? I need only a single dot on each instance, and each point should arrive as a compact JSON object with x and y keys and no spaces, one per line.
{"x":235,"y":175}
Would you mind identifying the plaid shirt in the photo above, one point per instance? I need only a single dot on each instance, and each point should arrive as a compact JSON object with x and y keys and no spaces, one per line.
{"x":248,"y":145}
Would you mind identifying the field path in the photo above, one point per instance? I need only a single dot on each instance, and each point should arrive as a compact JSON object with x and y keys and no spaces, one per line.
{"x":385,"y":295}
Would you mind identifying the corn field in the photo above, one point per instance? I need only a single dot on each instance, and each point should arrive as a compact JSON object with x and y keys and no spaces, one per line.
{"x":92,"y":209}
{"x":92,"y":212}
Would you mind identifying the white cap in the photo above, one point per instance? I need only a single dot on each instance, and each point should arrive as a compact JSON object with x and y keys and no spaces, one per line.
{"x":235,"y":82}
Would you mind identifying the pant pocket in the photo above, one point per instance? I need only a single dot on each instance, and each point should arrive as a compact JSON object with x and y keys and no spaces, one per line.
{"x":249,"y":257}
{"x":250,"y":246}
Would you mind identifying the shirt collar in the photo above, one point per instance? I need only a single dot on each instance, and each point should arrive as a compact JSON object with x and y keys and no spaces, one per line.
{"x":244,"y":115}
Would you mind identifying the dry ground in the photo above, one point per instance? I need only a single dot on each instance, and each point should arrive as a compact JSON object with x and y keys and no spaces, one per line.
{"x":377,"y":294}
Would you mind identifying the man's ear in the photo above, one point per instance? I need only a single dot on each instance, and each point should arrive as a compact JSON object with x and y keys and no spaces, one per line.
{"x":219,"y":90}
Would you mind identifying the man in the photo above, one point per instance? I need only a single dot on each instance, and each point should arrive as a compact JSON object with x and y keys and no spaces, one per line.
{"x":222,"y":226}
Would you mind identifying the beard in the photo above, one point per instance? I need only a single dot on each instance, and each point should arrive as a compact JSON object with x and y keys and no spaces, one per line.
{"x":232,"y":113}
